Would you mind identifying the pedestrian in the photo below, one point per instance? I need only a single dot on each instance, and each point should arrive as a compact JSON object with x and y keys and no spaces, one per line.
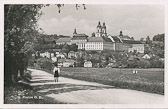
{"x":56,"y":73}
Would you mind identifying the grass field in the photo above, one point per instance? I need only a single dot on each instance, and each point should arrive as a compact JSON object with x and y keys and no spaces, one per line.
{"x":147,"y":80}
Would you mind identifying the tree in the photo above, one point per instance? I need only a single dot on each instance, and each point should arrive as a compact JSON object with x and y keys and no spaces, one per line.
{"x":159,"y":37}
{"x":73,"y":47}
{"x":20,"y":27}
{"x":18,"y":30}
{"x":148,"y":41}
{"x":142,"y":39}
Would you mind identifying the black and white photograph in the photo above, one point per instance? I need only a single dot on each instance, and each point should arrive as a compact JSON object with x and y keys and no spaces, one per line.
{"x":90,"y":54}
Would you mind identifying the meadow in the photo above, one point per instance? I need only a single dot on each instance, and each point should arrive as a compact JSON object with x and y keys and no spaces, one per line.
{"x":147,"y":80}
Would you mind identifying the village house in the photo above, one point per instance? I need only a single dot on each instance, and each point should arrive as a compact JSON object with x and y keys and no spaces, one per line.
{"x":68,"y":63}
{"x":61,"y":55}
{"x":65,"y":63}
{"x":87,"y":64}
{"x":146,"y":56}
{"x":72,"y":54}
{"x":54,"y":59}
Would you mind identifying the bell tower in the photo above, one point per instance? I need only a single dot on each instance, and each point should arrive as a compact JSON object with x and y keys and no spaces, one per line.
{"x":99,"y":30}
{"x":75,"y":32}
{"x":104,"y":33}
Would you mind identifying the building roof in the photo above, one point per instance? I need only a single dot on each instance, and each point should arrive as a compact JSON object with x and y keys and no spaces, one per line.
{"x":131,"y":42}
{"x":99,"y":39}
{"x":63,"y":40}
{"x":79,"y":37}
{"x":116,"y":39}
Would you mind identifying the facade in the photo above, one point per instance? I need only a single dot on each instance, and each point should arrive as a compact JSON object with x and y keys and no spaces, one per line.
{"x":72,"y":54}
{"x":99,"y":44}
{"x":103,"y":42}
{"x":88,"y":64}
{"x":68,"y":63}
{"x":146,"y":56}
{"x":54,"y":59}
{"x":79,"y":40}
{"x":117,"y":43}
{"x":136,"y":46}
{"x":62,"y":56}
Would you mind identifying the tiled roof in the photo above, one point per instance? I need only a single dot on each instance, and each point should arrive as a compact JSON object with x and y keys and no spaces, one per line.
{"x":79,"y":37}
{"x":116,"y":39}
{"x":99,"y":39}
{"x":131,"y":42}
{"x":106,"y":39}
{"x":63,"y":40}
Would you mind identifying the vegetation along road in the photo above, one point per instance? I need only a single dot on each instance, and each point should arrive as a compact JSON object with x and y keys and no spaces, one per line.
{"x":82,"y":92}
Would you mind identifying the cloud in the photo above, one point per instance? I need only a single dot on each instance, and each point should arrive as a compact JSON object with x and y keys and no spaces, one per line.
{"x":66,"y":25}
{"x":134,"y":20}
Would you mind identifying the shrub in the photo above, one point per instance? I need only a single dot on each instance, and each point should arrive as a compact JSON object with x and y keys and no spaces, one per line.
{"x":45,"y":63}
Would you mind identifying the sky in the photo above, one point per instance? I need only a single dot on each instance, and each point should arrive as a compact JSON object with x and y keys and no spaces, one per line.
{"x":133,"y":20}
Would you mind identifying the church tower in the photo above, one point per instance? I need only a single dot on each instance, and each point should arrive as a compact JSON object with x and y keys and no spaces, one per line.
{"x":104,"y":33}
{"x":99,"y":30}
{"x":121,"y":35}
{"x":75,"y":32}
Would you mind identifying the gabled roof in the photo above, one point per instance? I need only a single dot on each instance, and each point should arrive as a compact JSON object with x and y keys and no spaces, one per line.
{"x":63,"y":40}
{"x":131,"y":42}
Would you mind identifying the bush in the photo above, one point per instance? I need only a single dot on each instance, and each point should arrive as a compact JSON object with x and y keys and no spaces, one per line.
{"x":45,"y":63}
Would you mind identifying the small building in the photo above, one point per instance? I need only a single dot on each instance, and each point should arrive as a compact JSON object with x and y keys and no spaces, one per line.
{"x":68,"y":63}
{"x":54,"y":59}
{"x":65,"y":63}
{"x":62,"y":56}
{"x":88,"y":64}
{"x":146,"y":56}
{"x":72,"y":54}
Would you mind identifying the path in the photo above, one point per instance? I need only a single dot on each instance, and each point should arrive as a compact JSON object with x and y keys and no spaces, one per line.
{"x":82,"y":92}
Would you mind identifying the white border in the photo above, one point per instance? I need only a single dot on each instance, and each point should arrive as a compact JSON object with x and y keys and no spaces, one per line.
{"x":121,"y":2}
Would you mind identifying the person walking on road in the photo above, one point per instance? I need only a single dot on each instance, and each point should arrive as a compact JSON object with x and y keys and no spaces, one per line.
{"x":56,"y":73}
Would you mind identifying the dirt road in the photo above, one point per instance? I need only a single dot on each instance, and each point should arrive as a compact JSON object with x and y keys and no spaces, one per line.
{"x":82,"y":92}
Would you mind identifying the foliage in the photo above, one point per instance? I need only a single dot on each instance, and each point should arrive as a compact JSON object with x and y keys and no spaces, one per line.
{"x":159,"y":37}
{"x":45,"y":63}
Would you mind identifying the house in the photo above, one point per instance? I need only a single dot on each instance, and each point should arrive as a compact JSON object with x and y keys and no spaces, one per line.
{"x":65,"y":63}
{"x":62,"y":56}
{"x":72,"y":54}
{"x":60,"y":62}
{"x":88,"y":64}
{"x":146,"y":56}
{"x":54,"y":59}
{"x":45,"y":54}
{"x":134,"y":46}
{"x":68,"y":63}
